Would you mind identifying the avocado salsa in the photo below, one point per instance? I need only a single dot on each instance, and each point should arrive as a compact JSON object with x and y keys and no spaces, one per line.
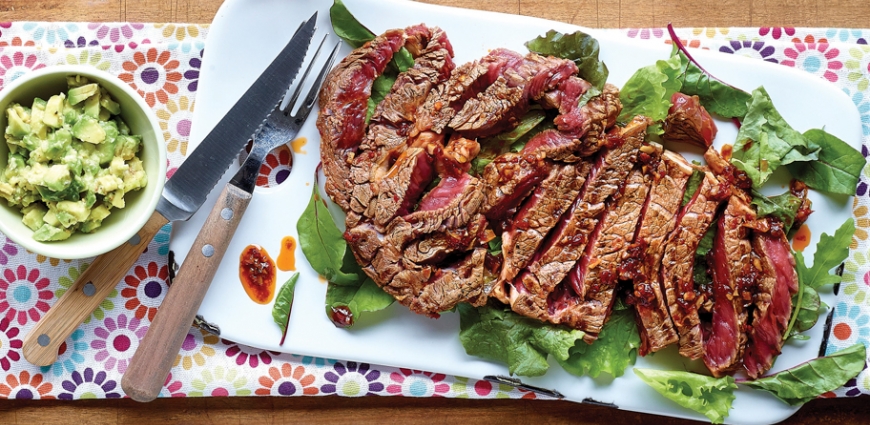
{"x":71,"y":160}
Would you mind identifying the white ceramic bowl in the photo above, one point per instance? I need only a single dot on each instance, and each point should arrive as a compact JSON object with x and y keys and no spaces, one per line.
{"x":122,"y":223}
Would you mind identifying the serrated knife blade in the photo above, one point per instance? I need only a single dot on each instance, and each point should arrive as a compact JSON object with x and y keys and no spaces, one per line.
{"x":183,"y":194}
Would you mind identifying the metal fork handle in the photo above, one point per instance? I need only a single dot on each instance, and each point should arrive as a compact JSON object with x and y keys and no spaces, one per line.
{"x":148,"y":369}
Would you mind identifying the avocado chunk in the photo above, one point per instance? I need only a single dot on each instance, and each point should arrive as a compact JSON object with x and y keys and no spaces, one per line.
{"x":33,"y":214}
{"x":16,"y":125}
{"x":48,"y":233}
{"x":53,"y":115}
{"x":79,"y":94}
{"x":92,"y":106}
{"x":88,"y":129}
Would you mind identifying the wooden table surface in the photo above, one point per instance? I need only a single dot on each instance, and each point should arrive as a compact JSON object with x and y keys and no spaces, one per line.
{"x":598,"y":13}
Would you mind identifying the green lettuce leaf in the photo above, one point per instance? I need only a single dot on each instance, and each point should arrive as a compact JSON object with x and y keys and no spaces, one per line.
{"x":495,"y":246}
{"x":648,"y":92}
{"x":831,"y":251}
{"x":808,"y":307}
{"x":347,"y":27}
{"x":711,"y":397}
{"x":365,"y":296}
{"x":717,"y":97}
{"x":784,"y":207}
{"x":706,"y":242}
{"x":838,"y":168}
{"x":615,"y":348}
{"x":809,"y":380}
{"x":765,"y":141}
{"x":579,"y":47}
{"x":692,"y":185}
{"x":284,"y":304}
{"x":522,"y":343}
{"x":532,"y":123}
{"x":322,"y":243}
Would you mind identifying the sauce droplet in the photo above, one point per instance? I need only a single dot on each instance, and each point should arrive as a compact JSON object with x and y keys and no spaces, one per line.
{"x":727,"y":151}
{"x":341,"y":316}
{"x":257,"y":273}
{"x":801,"y":238}
{"x":297,"y":145}
{"x":287,"y":255}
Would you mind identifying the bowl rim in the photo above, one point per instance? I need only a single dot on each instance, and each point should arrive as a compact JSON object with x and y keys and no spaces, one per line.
{"x":58,"y":249}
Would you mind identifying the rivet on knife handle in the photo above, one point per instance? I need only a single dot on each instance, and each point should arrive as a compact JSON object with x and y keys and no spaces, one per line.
{"x":86,"y":293}
{"x":149,"y":367}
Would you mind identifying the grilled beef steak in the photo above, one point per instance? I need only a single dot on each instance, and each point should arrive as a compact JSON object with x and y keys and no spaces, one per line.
{"x":679,"y":258}
{"x":583,"y":209}
{"x":777,"y":283}
{"x":657,"y":222}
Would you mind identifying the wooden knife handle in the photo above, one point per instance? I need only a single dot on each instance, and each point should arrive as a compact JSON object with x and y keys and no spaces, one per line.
{"x":149,"y":367}
{"x":86,"y":293}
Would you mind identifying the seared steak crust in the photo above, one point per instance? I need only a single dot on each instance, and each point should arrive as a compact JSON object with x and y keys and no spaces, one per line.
{"x":679,"y":259}
{"x":594,"y":278}
{"x":656,"y":328}
{"x":731,"y":270}
{"x":777,"y":283}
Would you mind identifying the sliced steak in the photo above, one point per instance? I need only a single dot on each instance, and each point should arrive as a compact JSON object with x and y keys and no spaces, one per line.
{"x":539,"y":214}
{"x":432,"y":290}
{"x":401,"y":188}
{"x":499,"y":108}
{"x":594,"y":278}
{"x":657,"y":222}
{"x":777,"y":283}
{"x":390,"y":127}
{"x":508,"y":180}
{"x":343,"y":101}
{"x":580,"y":131}
{"x":679,"y":259}
{"x":566,"y":243}
{"x":731,"y":271}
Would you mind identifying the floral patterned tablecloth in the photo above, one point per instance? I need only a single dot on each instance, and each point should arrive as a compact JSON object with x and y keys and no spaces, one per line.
{"x":162,"y":62}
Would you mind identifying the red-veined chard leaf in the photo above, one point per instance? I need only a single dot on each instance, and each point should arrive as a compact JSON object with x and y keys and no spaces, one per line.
{"x":284,"y":304}
{"x":831,"y":251}
{"x":809,"y":380}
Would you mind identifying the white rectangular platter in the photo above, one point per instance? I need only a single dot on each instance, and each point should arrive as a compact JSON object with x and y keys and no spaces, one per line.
{"x":247,"y":34}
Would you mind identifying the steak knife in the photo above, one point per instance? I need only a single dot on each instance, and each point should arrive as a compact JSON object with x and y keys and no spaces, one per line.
{"x":182,"y":196}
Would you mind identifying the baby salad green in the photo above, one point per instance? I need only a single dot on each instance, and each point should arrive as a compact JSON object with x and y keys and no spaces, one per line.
{"x":71,"y":160}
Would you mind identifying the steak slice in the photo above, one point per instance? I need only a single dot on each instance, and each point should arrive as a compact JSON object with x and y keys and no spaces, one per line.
{"x":539,"y":214}
{"x":433,"y":289}
{"x":499,"y":107}
{"x":403,"y":185}
{"x":679,"y":259}
{"x":656,"y":223}
{"x":391,"y":124}
{"x":731,"y":271}
{"x":508,"y":180}
{"x":777,"y":283}
{"x":343,"y":102}
{"x":594,"y":278}
{"x":580,"y":131}
{"x":566,"y":243}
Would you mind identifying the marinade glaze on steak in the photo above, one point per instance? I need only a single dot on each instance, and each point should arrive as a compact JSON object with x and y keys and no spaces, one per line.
{"x":586,"y":207}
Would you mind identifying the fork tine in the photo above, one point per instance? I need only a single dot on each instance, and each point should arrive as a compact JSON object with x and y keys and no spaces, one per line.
{"x":315,"y":87}
{"x":291,"y":104}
